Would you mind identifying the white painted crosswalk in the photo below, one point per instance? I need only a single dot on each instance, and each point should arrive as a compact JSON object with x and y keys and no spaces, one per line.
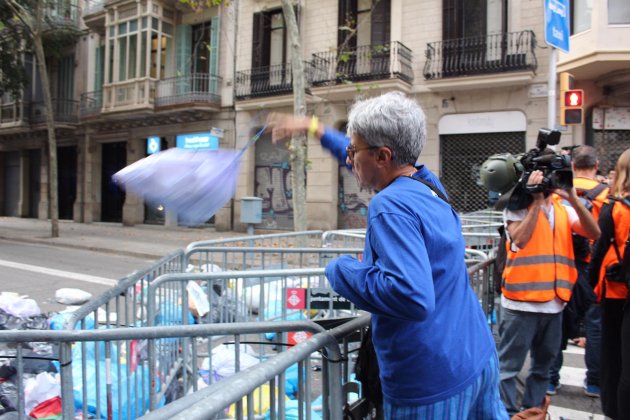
{"x":570,"y":403}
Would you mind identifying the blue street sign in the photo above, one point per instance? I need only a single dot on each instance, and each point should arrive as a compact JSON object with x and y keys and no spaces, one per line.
{"x":198,"y":141}
{"x":557,"y":24}
{"x":153,"y":145}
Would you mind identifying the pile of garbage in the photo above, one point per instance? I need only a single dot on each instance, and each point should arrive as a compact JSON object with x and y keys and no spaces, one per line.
{"x":40,"y":365}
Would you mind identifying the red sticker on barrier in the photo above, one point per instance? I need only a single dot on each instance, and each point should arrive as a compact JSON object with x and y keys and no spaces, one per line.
{"x":298,"y":337}
{"x":296,"y":298}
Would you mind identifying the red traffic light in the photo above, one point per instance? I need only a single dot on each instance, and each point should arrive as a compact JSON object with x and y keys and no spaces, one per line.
{"x":573,"y":98}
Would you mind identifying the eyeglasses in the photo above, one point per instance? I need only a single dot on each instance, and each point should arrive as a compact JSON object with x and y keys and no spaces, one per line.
{"x":352,"y":150}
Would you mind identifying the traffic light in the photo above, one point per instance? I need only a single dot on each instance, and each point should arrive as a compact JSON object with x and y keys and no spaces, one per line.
{"x":571,"y":101}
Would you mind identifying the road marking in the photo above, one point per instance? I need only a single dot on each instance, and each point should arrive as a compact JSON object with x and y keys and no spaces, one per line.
{"x":59,"y":273}
{"x":569,"y":414}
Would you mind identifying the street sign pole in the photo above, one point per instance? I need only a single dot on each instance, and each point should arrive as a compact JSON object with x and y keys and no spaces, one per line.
{"x":551,"y":99}
{"x":557,"y":35}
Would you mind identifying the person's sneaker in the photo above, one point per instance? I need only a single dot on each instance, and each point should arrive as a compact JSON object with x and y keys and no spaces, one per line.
{"x":591,"y":390}
{"x":553,"y":389}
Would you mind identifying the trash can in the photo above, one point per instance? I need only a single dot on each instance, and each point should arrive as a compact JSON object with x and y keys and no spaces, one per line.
{"x":251,"y":212}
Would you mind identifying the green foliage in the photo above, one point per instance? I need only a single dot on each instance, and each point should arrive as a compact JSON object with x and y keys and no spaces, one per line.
{"x":12,"y":71}
{"x":199,"y":5}
{"x":16,"y":35}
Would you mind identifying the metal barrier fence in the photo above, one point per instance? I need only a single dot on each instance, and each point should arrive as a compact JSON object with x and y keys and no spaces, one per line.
{"x":280,"y":240}
{"x":122,"y":388}
{"x":213,"y":401}
{"x":233,"y":297}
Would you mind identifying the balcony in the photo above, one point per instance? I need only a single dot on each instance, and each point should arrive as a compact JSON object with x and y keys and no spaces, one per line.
{"x":268,"y":81}
{"x":482,"y":55}
{"x":12,"y":113}
{"x":62,"y":13}
{"x":365,"y":63}
{"x":91,"y":104}
{"x":194,"y":89}
{"x":64,"y":111}
{"x":94,"y":14}
{"x":132,"y":95}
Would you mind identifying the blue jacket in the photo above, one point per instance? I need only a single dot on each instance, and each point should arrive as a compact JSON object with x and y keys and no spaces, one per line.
{"x":430,"y":334}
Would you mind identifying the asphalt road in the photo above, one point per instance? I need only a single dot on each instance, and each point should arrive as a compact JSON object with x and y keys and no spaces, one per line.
{"x":40,"y":270}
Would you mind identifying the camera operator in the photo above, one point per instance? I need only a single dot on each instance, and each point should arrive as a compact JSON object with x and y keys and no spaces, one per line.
{"x":537,"y":282}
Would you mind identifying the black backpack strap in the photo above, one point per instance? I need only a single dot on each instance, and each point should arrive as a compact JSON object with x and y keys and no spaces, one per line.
{"x":433,"y":188}
{"x":593,"y":192}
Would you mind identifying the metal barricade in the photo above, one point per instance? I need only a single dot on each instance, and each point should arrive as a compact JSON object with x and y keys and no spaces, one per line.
{"x":121,"y":391}
{"x":210,"y":259}
{"x":236,"y":296}
{"x":344,"y":238}
{"x":309,"y":238}
{"x":212,"y":402}
{"x":480,"y":229}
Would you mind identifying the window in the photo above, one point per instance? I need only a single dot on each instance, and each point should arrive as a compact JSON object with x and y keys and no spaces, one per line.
{"x":581,"y":12}
{"x":270,"y":46}
{"x":363,"y":23}
{"x":618,"y":12}
{"x":128,"y":43}
{"x":201,"y":48}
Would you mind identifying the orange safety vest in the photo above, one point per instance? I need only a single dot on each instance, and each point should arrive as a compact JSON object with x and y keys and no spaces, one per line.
{"x":615,"y":289}
{"x":545,"y":268}
{"x":588,"y":184}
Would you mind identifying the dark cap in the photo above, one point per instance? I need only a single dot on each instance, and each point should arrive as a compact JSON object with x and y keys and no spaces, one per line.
{"x":584,"y":157}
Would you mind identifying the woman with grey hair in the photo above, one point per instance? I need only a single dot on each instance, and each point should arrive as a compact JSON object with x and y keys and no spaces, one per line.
{"x":436,"y":355}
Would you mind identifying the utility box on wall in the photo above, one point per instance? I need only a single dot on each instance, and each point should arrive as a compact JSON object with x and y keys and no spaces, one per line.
{"x":251,"y":210}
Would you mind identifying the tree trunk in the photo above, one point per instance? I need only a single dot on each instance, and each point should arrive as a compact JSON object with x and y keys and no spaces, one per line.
{"x":297,"y":148}
{"x":50,"y":121}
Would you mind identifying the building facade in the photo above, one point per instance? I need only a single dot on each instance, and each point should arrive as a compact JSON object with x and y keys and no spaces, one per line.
{"x":155,"y":69}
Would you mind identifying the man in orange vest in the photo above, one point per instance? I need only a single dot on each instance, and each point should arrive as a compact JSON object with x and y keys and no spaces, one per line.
{"x":537,"y":282}
{"x":593,"y":194}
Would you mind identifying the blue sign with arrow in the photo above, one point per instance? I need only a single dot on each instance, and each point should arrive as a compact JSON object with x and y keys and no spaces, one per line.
{"x":557,"y":24}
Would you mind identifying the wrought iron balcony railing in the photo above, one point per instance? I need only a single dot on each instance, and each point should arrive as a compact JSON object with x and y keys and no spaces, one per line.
{"x":93,"y":6}
{"x":268,"y":81}
{"x":193,"y":88}
{"x":369,"y":62}
{"x":497,"y":53}
{"x":62,"y":13}
{"x":91,"y":103}
{"x":13,"y":112}
{"x":64,"y":111}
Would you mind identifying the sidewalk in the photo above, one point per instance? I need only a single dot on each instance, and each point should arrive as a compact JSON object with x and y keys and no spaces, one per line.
{"x":144,"y":241}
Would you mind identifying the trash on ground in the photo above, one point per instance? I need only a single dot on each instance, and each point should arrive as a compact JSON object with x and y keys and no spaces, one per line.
{"x":72,"y":296}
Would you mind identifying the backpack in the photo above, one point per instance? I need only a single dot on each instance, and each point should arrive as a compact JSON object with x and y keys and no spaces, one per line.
{"x":619,"y":271}
{"x":581,"y":245}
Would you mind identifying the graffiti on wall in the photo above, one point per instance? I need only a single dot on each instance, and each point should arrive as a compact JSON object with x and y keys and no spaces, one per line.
{"x":273,"y":183}
{"x":353,"y":201}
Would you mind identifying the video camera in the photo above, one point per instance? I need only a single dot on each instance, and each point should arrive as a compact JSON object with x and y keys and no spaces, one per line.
{"x":504,"y":172}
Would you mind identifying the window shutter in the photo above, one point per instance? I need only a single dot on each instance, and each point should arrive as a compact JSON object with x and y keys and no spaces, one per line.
{"x":99,"y":68}
{"x":381,"y":28}
{"x":214,"y":54}
{"x":258,"y":40}
{"x":347,"y":12}
{"x":183,"y":40}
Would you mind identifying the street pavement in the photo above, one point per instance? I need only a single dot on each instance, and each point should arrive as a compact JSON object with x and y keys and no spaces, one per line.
{"x":143,"y":241}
